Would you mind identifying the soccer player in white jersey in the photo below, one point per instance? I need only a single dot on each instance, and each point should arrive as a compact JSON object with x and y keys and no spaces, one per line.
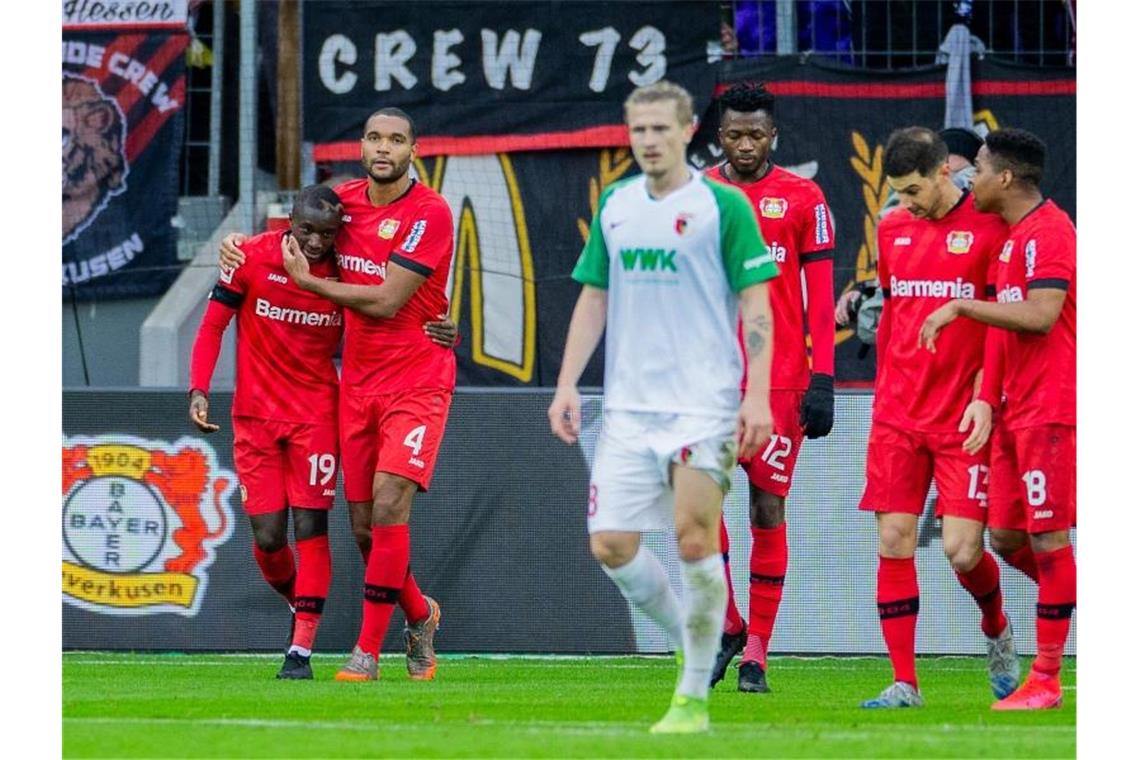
{"x":671,"y":261}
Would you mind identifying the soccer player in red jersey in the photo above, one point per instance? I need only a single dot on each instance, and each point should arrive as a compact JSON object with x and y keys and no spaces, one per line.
{"x":395,"y":255}
{"x":284,"y":412}
{"x":795,"y":222}
{"x":926,"y":422}
{"x":1034,"y":467}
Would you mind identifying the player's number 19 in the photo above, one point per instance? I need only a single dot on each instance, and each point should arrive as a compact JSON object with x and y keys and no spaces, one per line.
{"x":323,"y":466}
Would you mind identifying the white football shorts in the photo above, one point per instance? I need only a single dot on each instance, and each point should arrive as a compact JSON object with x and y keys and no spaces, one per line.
{"x":630,"y":488}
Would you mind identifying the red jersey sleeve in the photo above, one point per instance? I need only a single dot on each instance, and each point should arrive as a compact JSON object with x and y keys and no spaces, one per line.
{"x":427,"y":244}
{"x":816,"y":232}
{"x":208,"y":342}
{"x":1051,"y":260}
{"x":883,"y":334}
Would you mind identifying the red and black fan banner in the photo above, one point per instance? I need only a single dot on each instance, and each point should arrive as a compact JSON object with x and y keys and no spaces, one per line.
{"x":122,"y":133}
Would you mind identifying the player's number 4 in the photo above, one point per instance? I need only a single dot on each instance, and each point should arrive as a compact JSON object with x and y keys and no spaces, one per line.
{"x":322,"y":466}
{"x":415,"y":439}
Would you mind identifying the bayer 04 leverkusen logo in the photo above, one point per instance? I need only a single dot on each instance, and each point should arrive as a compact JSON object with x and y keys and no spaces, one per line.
{"x":141,"y":521}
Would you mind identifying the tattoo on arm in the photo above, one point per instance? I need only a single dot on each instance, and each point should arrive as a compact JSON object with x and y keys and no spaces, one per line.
{"x":757,"y":332}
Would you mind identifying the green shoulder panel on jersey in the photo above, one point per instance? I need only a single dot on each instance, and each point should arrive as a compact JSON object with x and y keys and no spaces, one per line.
{"x":593,"y":267}
{"x":746,"y":257}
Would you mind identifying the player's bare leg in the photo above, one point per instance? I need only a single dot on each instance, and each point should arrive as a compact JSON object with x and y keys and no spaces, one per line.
{"x":1013,"y":546}
{"x":898,"y":606}
{"x":1056,"y":599}
{"x":697,"y":509}
{"x":768,"y":564}
{"x":978,"y":573}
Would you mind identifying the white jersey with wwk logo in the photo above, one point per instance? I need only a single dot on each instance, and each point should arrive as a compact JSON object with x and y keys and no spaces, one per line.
{"x":673,"y":268}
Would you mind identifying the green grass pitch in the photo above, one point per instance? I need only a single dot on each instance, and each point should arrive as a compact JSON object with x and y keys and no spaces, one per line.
{"x":149,"y":705}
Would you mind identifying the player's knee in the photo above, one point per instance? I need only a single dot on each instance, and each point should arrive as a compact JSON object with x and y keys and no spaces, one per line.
{"x":1049,"y":542}
{"x":1006,"y":542}
{"x":392,"y":502}
{"x":695,"y":544}
{"x":767,"y":509}
{"x":609,"y":552}
{"x":897,"y":540}
{"x":962,"y":552}
{"x":310,"y":523}
{"x":270,"y":538}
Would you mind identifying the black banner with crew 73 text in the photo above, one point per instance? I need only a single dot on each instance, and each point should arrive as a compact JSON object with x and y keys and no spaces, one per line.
{"x":496,"y":76}
{"x":122,"y":133}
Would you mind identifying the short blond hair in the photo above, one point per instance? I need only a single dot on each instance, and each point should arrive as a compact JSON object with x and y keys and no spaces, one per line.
{"x":659,"y":91}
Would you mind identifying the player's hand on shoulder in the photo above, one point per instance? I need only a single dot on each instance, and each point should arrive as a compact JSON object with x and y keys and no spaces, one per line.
{"x":978,"y":416}
{"x":200,"y":412}
{"x":229,"y":255}
{"x":753,"y":425}
{"x":443,"y":331}
{"x":565,"y":414}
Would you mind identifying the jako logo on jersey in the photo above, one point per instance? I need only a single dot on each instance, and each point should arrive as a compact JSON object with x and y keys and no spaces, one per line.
{"x":414,"y":236}
{"x":821,"y":234}
{"x":682,"y":223}
{"x":361,"y":265}
{"x":902,"y":241}
{"x":1030,"y":258}
{"x":273,"y":277}
{"x":388,"y":228}
{"x":648,"y":259}
{"x":1010,"y":294}
{"x":297,"y":316}
{"x":773,"y":208}
{"x":141,"y":521}
{"x":1006,"y":252}
{"x":958,"y":288}
{"x":778,"y":252}
{"x":958,"y":242}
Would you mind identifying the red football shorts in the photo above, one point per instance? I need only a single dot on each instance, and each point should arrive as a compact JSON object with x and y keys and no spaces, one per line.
{"x":282,"y":464}
{"x":901,"y":464}
{"x":771,"y":468}
{"x":398,"y":433}
{"x":1033,"y":478}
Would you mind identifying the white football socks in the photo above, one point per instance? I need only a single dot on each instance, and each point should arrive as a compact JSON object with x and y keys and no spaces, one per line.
{"x":643,"y":582}
{"x":704,"y":597}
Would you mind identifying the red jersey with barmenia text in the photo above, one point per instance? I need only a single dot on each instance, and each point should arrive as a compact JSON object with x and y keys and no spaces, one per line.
{"x":1040,"y":377}
{"x":286,"y":340}
{"x":416,"y":232}
{"x":924,"y":264}
{"x":796,"y":225}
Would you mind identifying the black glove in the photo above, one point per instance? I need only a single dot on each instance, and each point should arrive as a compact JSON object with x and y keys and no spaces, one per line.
{"x":817,"y":413}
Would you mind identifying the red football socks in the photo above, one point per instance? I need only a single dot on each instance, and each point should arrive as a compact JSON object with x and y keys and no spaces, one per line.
{"x":733,"y":623}
{"x":984,"y":584}
{"x":314,"y":571}
{"x":1023,"y":560}
{"x":412,"y":600}
{"x":278,"y":569}
{"x":1056,"y":598}
{"x":768,"y":564}
{"x":383,"y":579}
{"x":898,"y":614}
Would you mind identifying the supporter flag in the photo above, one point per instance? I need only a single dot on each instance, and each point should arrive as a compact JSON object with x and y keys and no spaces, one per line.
{"x":122,"y":132}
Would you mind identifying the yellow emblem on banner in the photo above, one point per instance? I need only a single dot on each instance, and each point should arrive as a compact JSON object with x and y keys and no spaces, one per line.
{"x":126,"y":591}
{"x":128,"y":461}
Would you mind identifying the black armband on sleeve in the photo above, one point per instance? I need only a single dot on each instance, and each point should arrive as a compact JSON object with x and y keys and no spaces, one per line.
{"x":227,"y":297}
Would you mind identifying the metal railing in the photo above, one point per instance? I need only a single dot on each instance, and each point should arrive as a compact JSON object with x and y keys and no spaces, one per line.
{"x":898,"y":34}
